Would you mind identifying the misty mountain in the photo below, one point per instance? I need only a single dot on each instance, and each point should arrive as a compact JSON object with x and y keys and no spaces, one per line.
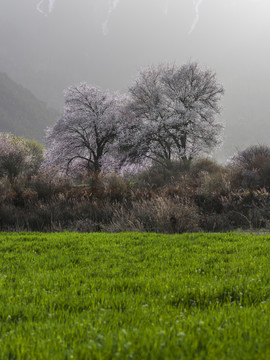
{"x":106,"y":46}
{"x":21,"y":113}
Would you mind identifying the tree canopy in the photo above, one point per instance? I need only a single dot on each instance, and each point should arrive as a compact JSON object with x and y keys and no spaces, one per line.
{"x":172,"y":113}
{"x":85,"y":136}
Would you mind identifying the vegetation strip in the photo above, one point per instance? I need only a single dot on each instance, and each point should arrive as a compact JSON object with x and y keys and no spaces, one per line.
{"x":134,"y":296}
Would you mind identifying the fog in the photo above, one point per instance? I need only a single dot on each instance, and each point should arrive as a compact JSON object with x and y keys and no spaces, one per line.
{"x":48,"y":45}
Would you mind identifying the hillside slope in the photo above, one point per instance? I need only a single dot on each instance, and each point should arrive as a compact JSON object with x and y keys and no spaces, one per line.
{"x":21,"y":113}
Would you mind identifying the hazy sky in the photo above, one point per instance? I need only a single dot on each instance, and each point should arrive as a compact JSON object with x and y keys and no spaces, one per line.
{"x":48,"y":45}
{"x":107,"y":41}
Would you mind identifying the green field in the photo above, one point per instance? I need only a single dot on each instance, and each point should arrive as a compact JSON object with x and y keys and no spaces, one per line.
{"x":134,"y":296}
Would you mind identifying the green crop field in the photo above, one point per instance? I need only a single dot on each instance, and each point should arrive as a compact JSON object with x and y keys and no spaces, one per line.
{"x":134,"y":296}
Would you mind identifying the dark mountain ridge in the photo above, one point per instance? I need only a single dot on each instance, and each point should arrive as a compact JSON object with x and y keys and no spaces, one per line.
{"x":21,"y":113}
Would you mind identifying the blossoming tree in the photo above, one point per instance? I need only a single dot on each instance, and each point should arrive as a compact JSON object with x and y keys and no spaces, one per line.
{"x":85,"y":136}
{"x":172,"y":114}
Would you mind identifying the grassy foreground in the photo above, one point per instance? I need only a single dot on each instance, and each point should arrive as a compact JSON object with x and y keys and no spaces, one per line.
{"x":134,"y":296}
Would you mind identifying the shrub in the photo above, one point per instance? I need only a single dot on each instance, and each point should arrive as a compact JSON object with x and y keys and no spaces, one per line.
{"x":116,"y":188}
{"x":204,"y":165}
{"x":214,"y":184}
{"x":19,"y":156}
{"x":159,"y":175}
{"x":47,"y":185}
{"x":254,"y":163}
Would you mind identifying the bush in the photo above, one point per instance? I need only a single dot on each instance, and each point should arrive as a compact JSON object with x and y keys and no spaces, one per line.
{"x":116,"y":188}
{"x":254,"y":164}
{"x":159,"y":175}
{"x":204,"y":165}
{"x":19,"y":156}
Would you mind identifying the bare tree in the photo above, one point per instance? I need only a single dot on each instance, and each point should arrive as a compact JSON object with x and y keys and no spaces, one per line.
{"x":86,"y":134}
{"x":172,"y":114}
